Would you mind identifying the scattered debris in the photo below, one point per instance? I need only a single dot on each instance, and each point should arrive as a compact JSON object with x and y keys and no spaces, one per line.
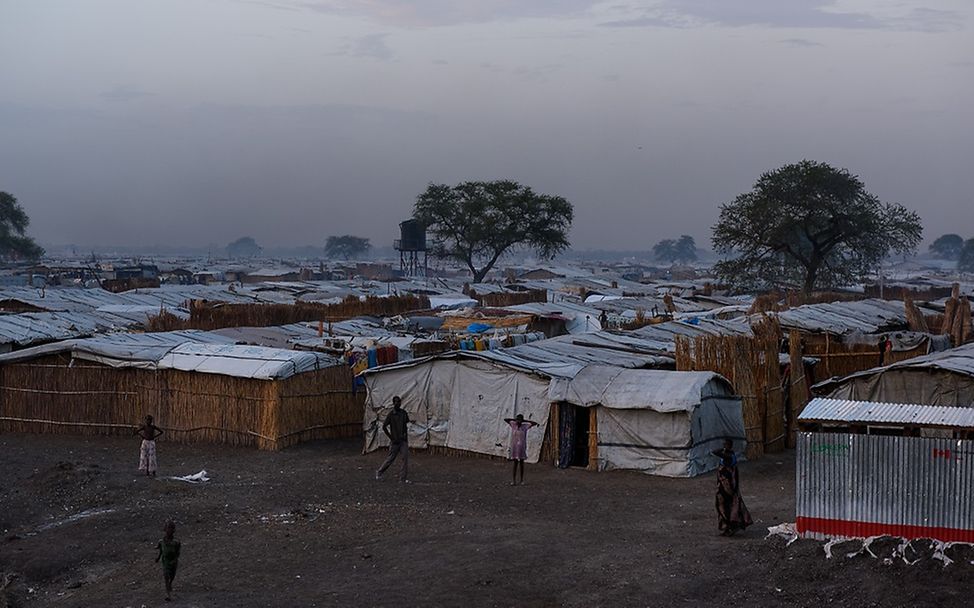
{"x":786,"y":531}
{"x":200,"y":477}
{"x":73,"y":518}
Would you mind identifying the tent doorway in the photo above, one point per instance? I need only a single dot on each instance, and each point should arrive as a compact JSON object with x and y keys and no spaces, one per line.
{"x":575,"y":436}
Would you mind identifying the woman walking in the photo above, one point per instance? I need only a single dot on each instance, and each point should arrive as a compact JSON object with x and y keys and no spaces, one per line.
{"x":732,"y":514}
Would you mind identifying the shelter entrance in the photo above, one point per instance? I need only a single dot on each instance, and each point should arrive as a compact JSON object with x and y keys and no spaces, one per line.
{"x":576,"y":432}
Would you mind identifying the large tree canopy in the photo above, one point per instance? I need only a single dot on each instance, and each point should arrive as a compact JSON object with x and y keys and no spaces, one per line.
{"x":244,"y":247}
{"x":965,"y":260}
{"x":683,"y":249}
{"x":476,"y":223}
{"x":346,"y":246}
{"x":14,"y":242}
{"x":809,"y":225}
{"x":947,"y":246}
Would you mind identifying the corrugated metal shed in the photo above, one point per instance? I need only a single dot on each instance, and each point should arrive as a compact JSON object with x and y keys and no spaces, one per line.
{"x":855,"y":486}
{"x":892,"y":414}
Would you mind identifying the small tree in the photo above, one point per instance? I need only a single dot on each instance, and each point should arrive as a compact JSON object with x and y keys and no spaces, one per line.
{"x":809,"y":225}
{"x":476,"y":223}
{"x":683,"y":249}
{"x":965,"y":260}
{"x":346,"y":246}
{"x":947,"y":246}
{"x":14,"y":242}
{"x":244,"y":247}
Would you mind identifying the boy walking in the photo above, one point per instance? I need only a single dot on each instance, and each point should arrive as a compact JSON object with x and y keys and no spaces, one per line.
{"x":396,"y":428}
{"x":169,"y":556}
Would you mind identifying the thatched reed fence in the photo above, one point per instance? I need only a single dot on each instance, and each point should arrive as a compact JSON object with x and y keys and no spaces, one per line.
{"x":902,"y":292}
{"x":57,"y":395}
{"x":839,"y":359}
{"x":753,"y":368}
{"x":500,"y":300}
{"x":209,"y":315}
{"x":956,"y":322}
{"x":799,"y":385}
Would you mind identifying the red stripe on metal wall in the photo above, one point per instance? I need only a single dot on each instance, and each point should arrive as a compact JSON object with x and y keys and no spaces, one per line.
{"x":864,"y":529}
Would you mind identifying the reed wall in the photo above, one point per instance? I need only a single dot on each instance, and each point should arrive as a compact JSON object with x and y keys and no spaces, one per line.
{"x":57,"y":395}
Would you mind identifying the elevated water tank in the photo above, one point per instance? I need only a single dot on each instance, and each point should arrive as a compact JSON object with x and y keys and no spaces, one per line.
{"x":412,"y":235}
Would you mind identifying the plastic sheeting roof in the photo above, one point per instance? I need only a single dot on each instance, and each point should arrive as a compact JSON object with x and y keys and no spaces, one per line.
{"x":866,"y":316}
{"x":199,"y":351}
{"x":26,"y":329}
{"x":868,"y":412}
{"x":257,"y":362}
{"x":624,"y":305}
{"x":563,"y":356}
{"x":619,"y":388}
{"x":581,"y":319}
{"x":662,"y":336}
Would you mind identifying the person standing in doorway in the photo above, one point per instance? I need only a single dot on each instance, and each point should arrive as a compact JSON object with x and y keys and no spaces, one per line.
{"x":519,"y":444}
{"x":396,"y":428}
{"x":169,"y":556}
{"x":732,"y":514}
{"x":149,"y":432}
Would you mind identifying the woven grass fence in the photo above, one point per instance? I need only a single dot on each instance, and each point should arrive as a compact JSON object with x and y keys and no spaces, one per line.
{"x":500,"y":300}
{"x":56,"y":395}
{"x":208,"y":315}
{"x":754,"y":370}
{"x":838,"y":359}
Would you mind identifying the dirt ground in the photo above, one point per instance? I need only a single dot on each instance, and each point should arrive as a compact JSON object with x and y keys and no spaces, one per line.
{"x":310,"y":526}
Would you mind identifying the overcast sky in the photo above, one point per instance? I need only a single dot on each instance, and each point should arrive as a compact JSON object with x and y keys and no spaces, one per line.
{"x":190,"y":122}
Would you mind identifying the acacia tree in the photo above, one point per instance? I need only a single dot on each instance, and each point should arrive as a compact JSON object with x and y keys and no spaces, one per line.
{"x":14,"y":242}
{"x":346,"y":246}
{"x":947,"y":246}
{"x":244,"y":247}
{"x":809,"y":225}
{"x":476,"y":223}
{"x":683,"y":249}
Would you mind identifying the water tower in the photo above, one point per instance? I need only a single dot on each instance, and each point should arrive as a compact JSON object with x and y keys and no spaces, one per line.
{"x":411,"y":246}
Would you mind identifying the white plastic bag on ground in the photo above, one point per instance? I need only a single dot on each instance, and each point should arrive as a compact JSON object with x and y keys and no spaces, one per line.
{"x":194,"y":478}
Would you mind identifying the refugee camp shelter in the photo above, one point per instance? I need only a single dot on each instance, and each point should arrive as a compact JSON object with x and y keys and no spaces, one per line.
{"x":847,"y":337}
{"x":942,"y":378}
{"x":198,"y":386}
{"x":595,"y":416}
{"x":871,"y":469}
{"x":655,"y":421}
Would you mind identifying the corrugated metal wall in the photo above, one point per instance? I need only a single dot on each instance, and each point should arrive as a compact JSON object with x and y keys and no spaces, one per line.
{"x":869,"y":485}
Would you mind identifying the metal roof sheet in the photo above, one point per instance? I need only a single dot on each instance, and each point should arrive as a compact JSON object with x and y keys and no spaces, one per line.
{"x":868,"y":412}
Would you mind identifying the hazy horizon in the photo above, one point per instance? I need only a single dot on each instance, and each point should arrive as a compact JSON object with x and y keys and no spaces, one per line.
{"x":184,"y":123}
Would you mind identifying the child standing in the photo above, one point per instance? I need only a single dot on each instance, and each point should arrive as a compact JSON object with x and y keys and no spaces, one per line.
{"x":149,"y":432}
{"x":519,"y":443}
{"x":169,"y":556}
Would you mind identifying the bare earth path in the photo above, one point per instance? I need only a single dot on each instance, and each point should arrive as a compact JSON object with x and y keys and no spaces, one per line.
{"x":311,"y":527}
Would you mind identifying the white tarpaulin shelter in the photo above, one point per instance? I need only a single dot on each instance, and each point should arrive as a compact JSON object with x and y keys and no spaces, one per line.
{"x":458,"y":403}
{"x":655,"y":421}
{"x":659,"y":422}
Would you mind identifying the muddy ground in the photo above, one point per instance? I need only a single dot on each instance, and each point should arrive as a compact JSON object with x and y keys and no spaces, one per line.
{"x":310,"y":526}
